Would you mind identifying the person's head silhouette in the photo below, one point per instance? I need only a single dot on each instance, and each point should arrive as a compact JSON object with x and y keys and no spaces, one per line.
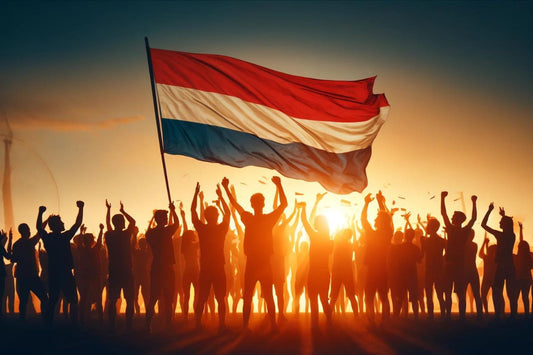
{"x":211,"y":215}
{"x":258,"y":202}
{"x":55,"y":223}
{"x":119,"y":222}
{"x":458,"y":218}
{"x":161,"y":217}
{"x":24,"y":231}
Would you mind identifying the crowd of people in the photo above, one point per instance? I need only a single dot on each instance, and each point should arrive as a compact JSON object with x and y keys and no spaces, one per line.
{"x":275,"y":257}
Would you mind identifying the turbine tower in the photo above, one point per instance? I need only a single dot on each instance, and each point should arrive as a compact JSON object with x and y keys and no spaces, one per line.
{"x":9,"y":221}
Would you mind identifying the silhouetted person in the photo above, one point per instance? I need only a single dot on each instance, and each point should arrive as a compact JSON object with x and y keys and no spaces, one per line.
{"x":159,"y":239}
{"x":395,"y":272}
{"x":505,"y":271}
{"x":455,"y":253}
{"x":211,"y":236}
{"x":141,"y":273}
{"x":281,"y":243}
{"x":258,"y":248}
{"x":378,"y":242}
{"x":342,"y":268}
{"x":410,"y":255}
{"x":88,"y":275}
{"x":471,"y":273}
{"x":27,"y":273}
{"x":3,"y":254}
{"x":60,"y":261}
{"x":523,"y":264}
{"x":320,"y":248}
{"x":301,"y":273}
{"x":119,"y":241}
{"x":488,"y":255}
{"x":191,"y":269}
{"x":433,"y":247}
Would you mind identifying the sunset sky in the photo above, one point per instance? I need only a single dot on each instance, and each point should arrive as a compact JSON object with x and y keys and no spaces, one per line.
{"x":76,"y":91}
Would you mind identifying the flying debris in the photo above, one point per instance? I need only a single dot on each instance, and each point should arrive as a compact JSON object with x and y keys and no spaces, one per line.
{"x":401,"y":197}
{"x":457,"y":199}
{"x":298,"y":194}
{"x":345,"y":203}
{"x":432,"y":197}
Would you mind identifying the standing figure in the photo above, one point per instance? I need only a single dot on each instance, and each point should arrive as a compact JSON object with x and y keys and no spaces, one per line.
{"x":505,"y":270}
{"x":119,"y":240}
{"x":88,"y":275}
{"x":60,"y":261}
{"x":455,"y":254}
{"x":26,"y":271}
{"x":211,"y":236}
{"x":162,"y":278}
{"x":258,"y":247}
{"x":433,"y":248}
{"x":342,"y":268}
{"x":523,"y":264}
{"x":378,"y":242}
{"x":320,"y":247}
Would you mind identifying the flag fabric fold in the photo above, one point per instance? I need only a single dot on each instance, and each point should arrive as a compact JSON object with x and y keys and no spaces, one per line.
{"x":220,"y":109}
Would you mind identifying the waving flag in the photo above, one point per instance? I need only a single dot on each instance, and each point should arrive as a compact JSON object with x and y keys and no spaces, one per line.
{"x":224,"y":110}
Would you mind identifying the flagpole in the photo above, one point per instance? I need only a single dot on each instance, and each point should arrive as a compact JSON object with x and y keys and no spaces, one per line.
{"x":157,"y":116}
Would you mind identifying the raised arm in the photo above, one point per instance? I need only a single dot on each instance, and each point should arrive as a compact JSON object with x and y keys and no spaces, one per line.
{"x":443,"y":212}
{"x":149,"y":228}
{"x":225,"y":208}
{"x":79,"y":219}
{"x":99,"y":240}
{"x":232,"y":199}
{"x":39,"y":224}
{"x":308,"y":228}
{"x":131,"y":221}
{"x":194,"y":206}
{"x":421,"y":225}
{"x":486,"y":219}
{"x":202,"y":206}
{"x":183,"y":219}
{"x":521,"y":231}
{"x":408,"y":225}
{"x":108,"y":215}
{"x":282,"y":198}
{"x":174,"y":217}
{"x":318,"y":198}
{"x":474,"y":212}
{"x":364,"y":213}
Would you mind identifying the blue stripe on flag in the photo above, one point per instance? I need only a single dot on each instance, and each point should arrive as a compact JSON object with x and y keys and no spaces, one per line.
{"x":340,"y":173}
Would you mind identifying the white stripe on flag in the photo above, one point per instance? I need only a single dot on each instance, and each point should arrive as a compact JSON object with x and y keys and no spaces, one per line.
{"x":230,"y":112}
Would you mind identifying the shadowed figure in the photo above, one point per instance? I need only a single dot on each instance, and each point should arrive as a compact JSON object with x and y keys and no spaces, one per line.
{"x":119,"y":241}
{"x":211,"y":236}
{"x":342,"y":272}
{"x":60,"y":261}
{"x":523,"y":264}
{"x":3,"y":254}
{"x":455,"y":253}
{"x":258,"y":248}
{"x":162,"y":271}
{"x":378,"y":242}
{"x":488,"y":255}
{"x":471,"y":273}
{"x":301,"y":273}
{"x":88,"y":275}
{"x":505,"y":270}
{"x":26,"y":271}
{"x":141,"y":273}
{"x":191,"y":270}
{"x":433,"y":247}
{"x":320,"y":247}
{"x":281,"y":235}
{"x":410,"y":255}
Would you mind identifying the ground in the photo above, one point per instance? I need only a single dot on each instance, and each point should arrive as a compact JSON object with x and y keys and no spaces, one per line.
{"x":344,"y":335}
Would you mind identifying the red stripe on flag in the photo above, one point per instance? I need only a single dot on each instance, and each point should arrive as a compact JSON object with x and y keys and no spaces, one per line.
{"x":296,"y":96}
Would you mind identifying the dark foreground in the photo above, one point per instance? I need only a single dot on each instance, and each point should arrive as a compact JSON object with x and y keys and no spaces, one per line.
{"x":345,"y":335}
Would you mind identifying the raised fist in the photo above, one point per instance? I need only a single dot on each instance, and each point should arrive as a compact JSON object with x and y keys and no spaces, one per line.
{"x":225,"y":182}
{"x":42,"y":209}
{"x":474,"y":198}
{"x":276,"y":180}
{"x":444,"y":194}
{"x":80,"y":204}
